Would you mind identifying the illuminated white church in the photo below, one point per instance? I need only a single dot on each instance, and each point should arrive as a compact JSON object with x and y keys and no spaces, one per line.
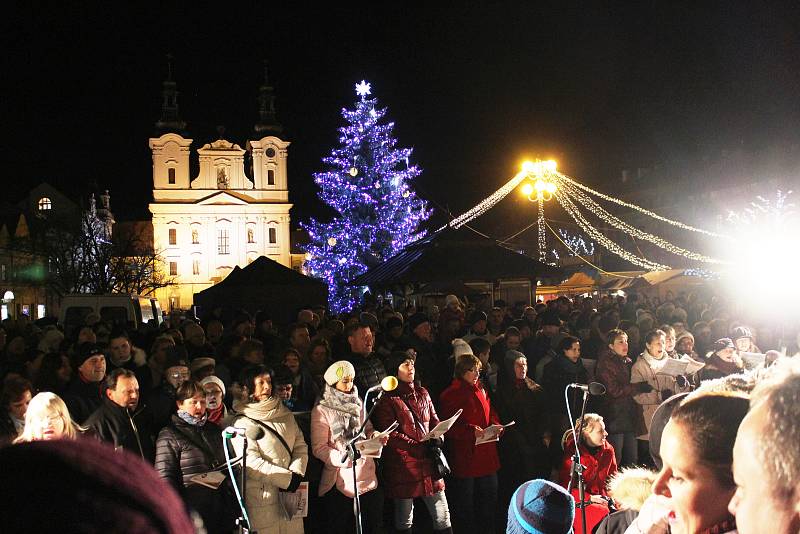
{"x":206,"y":225}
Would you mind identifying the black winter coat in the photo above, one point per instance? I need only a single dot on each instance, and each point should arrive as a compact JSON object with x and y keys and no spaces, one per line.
{"x":83,"y":398}
{"x":116,"y":425}
{"x":369,"y":372}
{"x":557,"y":375}
{"x":184,"y":450}
{"x":162,"y":403}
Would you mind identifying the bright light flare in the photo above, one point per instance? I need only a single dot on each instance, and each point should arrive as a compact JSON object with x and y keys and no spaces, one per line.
{"x":764,"y":256}
{"x":539,"y":168}
{"x":527,"y":189}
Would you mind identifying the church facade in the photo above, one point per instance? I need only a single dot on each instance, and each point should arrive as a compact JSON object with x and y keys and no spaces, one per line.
{"x":204,"y":226}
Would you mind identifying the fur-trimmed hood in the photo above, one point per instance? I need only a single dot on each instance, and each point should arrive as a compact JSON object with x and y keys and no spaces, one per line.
{"x":630,"y":486}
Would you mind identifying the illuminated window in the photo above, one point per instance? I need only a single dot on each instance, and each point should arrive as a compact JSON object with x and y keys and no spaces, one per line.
{"x":40,"y":311}
{"x":173,"y":268}
{"x":171,"y":173}
{"x":196,"y":267}
{"x":273,"y":235}
{"x":173,"y":236}
{"x":45,"y":204}
{"x":270,"y":177}
{"x":223,"y":246}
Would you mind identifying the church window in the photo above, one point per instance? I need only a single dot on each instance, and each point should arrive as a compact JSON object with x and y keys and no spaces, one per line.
{"x":173,"y":268}
{"x":195,"y":237}
{"x":270,"y":177}
{"x":173,"y":236}
{"x":270,"y":152}
{"x":273,"y":235}
{"x":196,"y":267}
{"x":223,"y":246}
{"x":171,"y":173}
{"x":3,"y":272}
{"x":250,"y":236}
{"x":45,"y":204}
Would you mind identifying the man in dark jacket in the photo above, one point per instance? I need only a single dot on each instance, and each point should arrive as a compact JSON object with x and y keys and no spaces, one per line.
{"x":121,"y":420}
{"x":84,"y":393}
{"x":369,"y":368}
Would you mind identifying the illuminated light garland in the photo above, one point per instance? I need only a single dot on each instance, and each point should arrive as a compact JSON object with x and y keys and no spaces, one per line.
{"x":542,"y":236}
{"x":638,"y":208}
{"x":487,"y":203}
{"x":548,"y":181}
{"x":598,"y":210}
{"x":597,"y":236}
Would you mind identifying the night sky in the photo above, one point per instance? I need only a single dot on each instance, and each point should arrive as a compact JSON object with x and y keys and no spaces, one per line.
{"x":474,"y":87}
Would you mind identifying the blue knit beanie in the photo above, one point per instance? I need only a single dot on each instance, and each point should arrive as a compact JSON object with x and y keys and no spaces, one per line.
{"x":540,"y":507}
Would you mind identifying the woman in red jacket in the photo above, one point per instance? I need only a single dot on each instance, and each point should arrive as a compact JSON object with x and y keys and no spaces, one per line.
{"x":408,"y":470}
{"x":473,"y":486}
{"x":597,"y":457}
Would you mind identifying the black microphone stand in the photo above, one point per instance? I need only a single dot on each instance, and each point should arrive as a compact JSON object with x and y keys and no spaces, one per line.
{"x":577,"y":467}
{"x":353,"y":455}
{"x":241,"y":520}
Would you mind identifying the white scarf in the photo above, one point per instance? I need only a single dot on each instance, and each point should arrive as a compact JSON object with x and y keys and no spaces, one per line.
{"x":655,"y":363}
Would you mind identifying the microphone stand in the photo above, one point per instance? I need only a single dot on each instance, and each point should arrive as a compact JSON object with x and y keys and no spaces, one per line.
{"x":353,"y":455}
{"x":577,"y":467}
{"x":242,"y":489}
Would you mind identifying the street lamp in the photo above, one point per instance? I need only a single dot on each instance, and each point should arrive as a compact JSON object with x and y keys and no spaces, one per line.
{"x":543,"y":188}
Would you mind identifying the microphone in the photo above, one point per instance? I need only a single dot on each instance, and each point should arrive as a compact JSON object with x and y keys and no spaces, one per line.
{"x":594,"y":388}
{"x":254,"y":432}
{"x":387,"y":384}
{"x":231,"y":431}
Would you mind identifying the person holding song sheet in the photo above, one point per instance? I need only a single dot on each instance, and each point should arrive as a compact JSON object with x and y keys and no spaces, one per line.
{"x":409,"y":471}
{"x":277,"y":461}
{"x":647,"y":369}
{"x":473,"y":486}
{"x":335,"y":420}
{"x":191,"y":447}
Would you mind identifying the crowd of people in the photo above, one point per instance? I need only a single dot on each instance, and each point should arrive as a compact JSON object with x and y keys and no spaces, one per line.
{"x":295,"y":398}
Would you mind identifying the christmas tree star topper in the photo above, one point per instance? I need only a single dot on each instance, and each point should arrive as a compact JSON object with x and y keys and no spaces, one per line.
{"x":363,"y":89}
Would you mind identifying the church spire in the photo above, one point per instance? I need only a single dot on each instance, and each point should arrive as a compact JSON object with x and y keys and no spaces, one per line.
{"x":267,"y":122}
{"x":170,"y":120}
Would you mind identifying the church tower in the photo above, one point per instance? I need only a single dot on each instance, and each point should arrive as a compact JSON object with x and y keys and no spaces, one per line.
{"x":207,"y":225}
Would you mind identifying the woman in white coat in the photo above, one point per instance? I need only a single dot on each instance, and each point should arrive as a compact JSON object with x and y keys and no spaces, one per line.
{"x":277,"y":461}
{"x":334,"y":422}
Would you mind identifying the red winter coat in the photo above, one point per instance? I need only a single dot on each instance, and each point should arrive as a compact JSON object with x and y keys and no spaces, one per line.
{"x":598,"y":468}
{"x":466,"y":459}
{"x":407,"y":466}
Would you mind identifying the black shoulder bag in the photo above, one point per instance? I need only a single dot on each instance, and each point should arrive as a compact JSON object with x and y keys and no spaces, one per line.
{"x":440,"y":465}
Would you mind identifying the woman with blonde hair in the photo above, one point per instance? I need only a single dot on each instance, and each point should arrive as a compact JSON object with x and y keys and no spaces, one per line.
{"x":47,"y":418}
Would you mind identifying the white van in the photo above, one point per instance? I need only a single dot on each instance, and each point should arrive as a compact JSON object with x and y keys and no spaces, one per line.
{"x":129,"y":311}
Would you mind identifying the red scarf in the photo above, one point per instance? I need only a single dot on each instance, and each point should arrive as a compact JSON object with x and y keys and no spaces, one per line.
{"x":215,"y":416}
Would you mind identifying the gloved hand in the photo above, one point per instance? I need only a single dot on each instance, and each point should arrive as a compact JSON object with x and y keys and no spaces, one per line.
{"x":666,"y":393}
{"x":295,"y":483}
{"x":436,"y":443}
{"x":642,"y":387}
{"x":682,"y":381}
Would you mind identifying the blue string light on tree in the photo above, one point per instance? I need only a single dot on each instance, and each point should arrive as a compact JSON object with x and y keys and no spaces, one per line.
{"x":367,"y":181}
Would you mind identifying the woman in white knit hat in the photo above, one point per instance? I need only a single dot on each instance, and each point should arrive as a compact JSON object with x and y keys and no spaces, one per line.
{"x":335,"y":420}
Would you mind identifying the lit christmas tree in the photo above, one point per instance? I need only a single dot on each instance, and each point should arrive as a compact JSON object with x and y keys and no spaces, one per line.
{"x":367,"y":183}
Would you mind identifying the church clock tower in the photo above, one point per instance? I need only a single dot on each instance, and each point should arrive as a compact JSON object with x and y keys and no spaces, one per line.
{"x":206,"y":225}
